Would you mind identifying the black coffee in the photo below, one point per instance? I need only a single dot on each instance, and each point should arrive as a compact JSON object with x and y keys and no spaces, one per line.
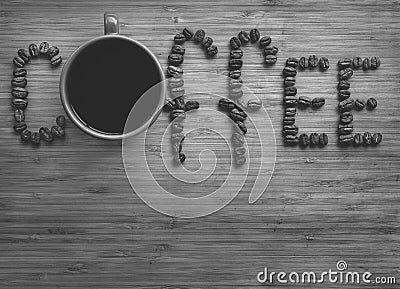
{"x":106,"y":79}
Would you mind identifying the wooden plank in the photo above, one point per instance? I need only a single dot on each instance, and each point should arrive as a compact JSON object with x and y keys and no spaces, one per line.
{"x":69,"y":218}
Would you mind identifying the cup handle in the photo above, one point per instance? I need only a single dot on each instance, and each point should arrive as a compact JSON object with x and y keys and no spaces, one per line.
{"x":111,"y":23}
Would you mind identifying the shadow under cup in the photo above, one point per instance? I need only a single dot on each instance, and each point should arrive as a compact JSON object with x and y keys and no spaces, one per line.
{"x":104,"y":80}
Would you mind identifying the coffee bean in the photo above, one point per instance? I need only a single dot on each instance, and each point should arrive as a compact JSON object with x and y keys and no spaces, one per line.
{"x":265,"y":41}
{"x":19,"y":103}
{"x":18,"y":82}
{"x":191,"y":104}
{"x":177,"y":138}
{"x":346,"y":105}
{"x":345,"y":128}
{"x":57,"y":131}
{"x":289,"y":81}
{"x":174,"y":71}
{"x":176,"y":127}
{"x":207,"y":42}
{"x":35,"y":138}
{"x":53,"y":51}
{"x":241,"y":127}
{"x":288,"y":120}
{"x":179,"y":158}
{"x":236,"y":54}
{"x":19,"y":115}
{"x":376,"y":138}
{"x":234,"y":73}
{"x":235,"y":42}
{"x":244,"y":37}
{"x":175,"y":59}
{"x":178,"y":49}
{"x":45,"y":134}
{"x":254,"y":35}
{"x":345,"y":139}
{"x":235,"y":93}
{"x":179,"y":103}
{"x":20,"y":126}
{"x":60,"y":121}
{"x":290,"y":91}
{"x":357,"y":62}
{"x":303,"y":63}
{"x":199,"y":35}
{"x":318,"y":102}
{"x":18,"y":62}
{"x":375,"y":62}
{"x":290,"y":129}
{"x":323,"y":63}
{"x":290,"y":111}
{"x":24,"y":54}
{"x":179,"y":38}
{"x":291,"y":140}
{"x":270,"y":59}
{"x":177,"y":113}
{"x":344,"y":63}
{"x":33,"y":50}
{"x":19,"y":92}
{"x":235,"y":64}
{"x":359,"y":104}
{"x":44,"y":48}
{"x":312,"y":61}
{"x":19,"y":72}
{"x":304,"y":101}
{"x":314,"y":139}
{"x":237,"y":139}
{"x":235,"y":83}
{"x":271,"y":50}
{"x":188,"y":33}
{"x":290,"y":100}
{"x":289,"y":71}
{"x":239,"y":151}
{"x":237,"y":115}
{"x":177,"y":147}
{"x":240,"y":160}
{"x":371,"y":103}
{"x":304,"y":140}
{"x":254,"y":104}
{"x":343,"y":94}
{"x":343,"y":85}
{"x":345,"y":74}
{"x":56,"y":60}
{"x":323,"y":139}
{"x":366,"y":63}
{"x":292,"y":61}
{"x":367,"y":138}
{"x":25,"y":135}
{"x":226,"y":104}
{"x":177,"y":92}
{"x":358,"y":139}
{"x":212,"y":50}
{"x":175,"y":82}
{"x":346,"y":117}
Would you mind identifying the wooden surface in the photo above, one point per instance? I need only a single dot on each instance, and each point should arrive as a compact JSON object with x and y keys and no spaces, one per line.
{"x":69,"y":218}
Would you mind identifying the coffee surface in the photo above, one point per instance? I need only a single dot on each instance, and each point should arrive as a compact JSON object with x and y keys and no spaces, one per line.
{"x":106,"y":79}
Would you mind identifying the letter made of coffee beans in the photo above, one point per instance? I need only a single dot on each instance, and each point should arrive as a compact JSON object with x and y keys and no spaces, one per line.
{"x":291,"y":135}
{"x":346,"y":67}
{"x":19,"y":94}
{"x":235,"y":63}
{"x":176,"y":105}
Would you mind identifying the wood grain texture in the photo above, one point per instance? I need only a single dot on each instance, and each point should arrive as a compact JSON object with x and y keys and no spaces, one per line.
{"x":69,"y":218}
